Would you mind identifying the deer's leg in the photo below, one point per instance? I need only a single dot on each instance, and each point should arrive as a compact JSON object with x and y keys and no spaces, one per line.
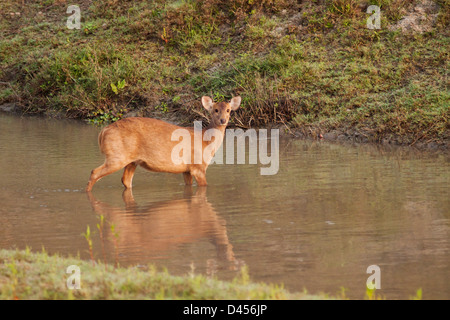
{"x":187,"y":178}
{"x":102,"y":171}
{"x":200,"y":177}
{"x":128,"y":173}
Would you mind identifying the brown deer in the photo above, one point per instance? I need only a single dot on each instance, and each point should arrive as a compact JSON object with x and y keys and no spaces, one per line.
{"x":148,"y":142}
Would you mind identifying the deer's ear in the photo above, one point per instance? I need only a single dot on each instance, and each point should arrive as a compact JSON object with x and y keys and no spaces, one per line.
{"x":235,"y":103}
{"x":207,"y":103}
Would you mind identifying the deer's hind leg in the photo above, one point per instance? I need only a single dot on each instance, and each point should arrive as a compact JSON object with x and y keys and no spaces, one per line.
{"x":128,"y":173}
{"x":105,"y":169}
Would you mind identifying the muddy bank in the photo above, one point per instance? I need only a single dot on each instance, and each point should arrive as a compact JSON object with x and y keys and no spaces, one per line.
{"x":343,"y":135}
{"x":308,"y":67}
{"x":9,"y":108}
{"x":346,"y":135}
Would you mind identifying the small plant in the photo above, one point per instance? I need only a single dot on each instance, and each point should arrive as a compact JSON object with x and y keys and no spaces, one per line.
{"x":342,"y":294}
{"x":164,"y":36}
{"x":89,"y":28}
{"x":14,"y":279}
{"x":115,"y":239}
{"x":244,"y":276}
{"x":344,"y":7}
{"x":87,"y":236}
{"x":219,"y":97}
{"x":163,"y":107}
{"x":100,"y":230}
{"x":101,"y":117}
{"x":418,"y":295}
{"x":176,"y":99}
{"x":372,"y":295}
{"x":120,"y":85}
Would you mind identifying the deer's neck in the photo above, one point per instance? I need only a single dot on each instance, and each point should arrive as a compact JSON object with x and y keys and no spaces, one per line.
{"x":213,"y":126}
{"x":212,"y":140}
{"x":214,"y":134}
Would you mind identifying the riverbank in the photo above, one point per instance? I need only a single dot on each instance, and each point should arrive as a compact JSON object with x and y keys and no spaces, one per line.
{"x":34,"y":276}
{"x":312,"y":68}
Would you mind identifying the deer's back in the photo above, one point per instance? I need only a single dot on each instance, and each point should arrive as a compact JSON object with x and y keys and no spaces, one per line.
{"x":137,"y":138}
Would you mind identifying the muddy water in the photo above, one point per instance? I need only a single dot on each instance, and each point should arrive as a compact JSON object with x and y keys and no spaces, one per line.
{"x":329,"y":213}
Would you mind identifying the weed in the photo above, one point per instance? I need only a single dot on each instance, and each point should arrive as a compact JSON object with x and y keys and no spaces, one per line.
{"x":244,"y":276}
{"x":120,"y":85}
{"x":418,"y":295}
{"x":346,"y":8}
{"x":163,"y":107}
{"x":115,"y":239}
{"x":14,"y":279}
{"x":87,"y":236}
{"x":372,"y":295}
{"x":100,"y":227}
{"x":101,"y":117}
{"x":89,"y":28}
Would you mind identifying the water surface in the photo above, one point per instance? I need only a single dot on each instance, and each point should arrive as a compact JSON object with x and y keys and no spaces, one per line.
{"x":330,"y":212}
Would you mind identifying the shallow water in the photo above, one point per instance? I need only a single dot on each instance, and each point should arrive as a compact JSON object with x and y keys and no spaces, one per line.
{"x":329,"y":213}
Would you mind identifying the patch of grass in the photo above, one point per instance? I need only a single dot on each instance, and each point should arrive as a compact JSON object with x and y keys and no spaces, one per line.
{"x":26,"y":275}
{"x":34,"y":276}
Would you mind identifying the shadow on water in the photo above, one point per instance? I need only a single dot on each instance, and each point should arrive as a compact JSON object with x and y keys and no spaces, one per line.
{"x":159,"y":227}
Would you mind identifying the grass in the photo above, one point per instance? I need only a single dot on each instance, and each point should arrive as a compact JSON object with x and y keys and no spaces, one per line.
{"x":35,"y":276}
{"x":26,"y":275}
{"x":312,"y":67}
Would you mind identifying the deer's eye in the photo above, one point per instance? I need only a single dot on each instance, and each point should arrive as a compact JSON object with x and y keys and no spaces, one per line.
{"x":217,"y":110}
{"x":228,"y":110}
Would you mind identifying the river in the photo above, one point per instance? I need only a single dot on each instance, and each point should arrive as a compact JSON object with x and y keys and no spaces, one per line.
{"x":329,"y":213}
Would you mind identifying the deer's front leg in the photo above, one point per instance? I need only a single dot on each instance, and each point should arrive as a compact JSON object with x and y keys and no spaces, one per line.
{"x":200,"y":177}
{"x":187,"y":178}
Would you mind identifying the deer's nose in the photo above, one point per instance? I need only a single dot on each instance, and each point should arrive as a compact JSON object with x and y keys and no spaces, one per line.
{"x":223,"y":121}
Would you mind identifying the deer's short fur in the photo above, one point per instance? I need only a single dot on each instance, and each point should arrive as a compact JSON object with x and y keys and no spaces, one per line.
{"x":147,"y":142}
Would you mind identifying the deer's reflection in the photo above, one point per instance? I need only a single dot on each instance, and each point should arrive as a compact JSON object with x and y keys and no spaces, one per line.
{"x":159,"y":227}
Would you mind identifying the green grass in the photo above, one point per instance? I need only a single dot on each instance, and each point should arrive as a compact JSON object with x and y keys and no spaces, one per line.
{"x":26,"y":275}
{"x":311,"y":67}
{"x":35,"y":276}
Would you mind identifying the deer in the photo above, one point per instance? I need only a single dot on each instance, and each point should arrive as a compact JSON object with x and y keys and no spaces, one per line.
{"x":147,"y":142}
